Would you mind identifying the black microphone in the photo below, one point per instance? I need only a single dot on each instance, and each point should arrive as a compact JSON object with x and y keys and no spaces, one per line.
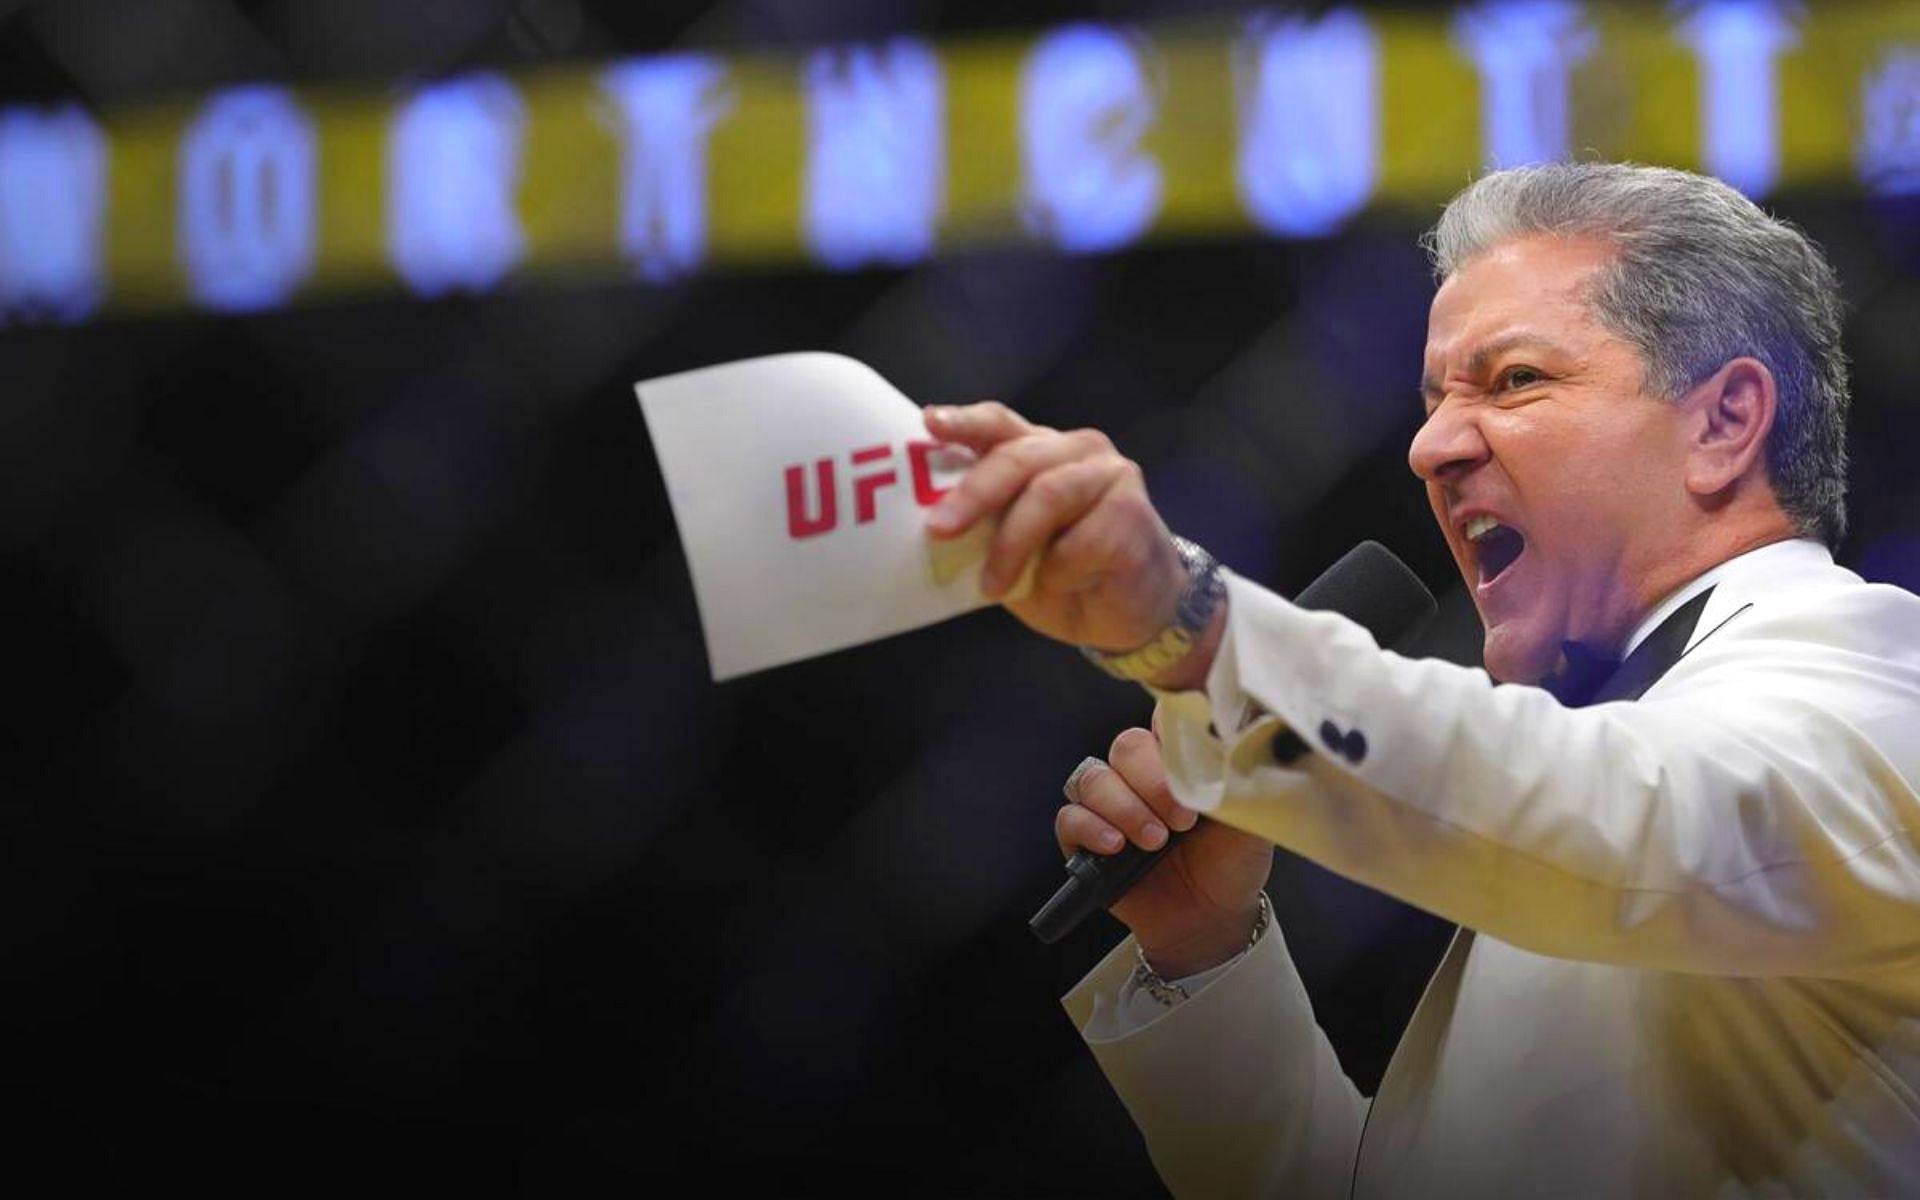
{"x":1368,"y":586}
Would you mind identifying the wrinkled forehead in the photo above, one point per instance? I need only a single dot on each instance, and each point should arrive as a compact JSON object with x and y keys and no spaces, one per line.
{"x":1539,"y":284}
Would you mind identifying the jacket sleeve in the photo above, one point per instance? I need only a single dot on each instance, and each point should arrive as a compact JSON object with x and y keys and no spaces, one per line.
{"x":1754,"y":815}
{"x":1236,"y":1090}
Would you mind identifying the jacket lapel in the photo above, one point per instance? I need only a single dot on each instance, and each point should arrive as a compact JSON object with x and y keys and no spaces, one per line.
{"x":1652,"y":658}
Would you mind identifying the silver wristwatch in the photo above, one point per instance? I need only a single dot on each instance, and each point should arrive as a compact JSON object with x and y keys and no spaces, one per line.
{"x":1205,"y":590}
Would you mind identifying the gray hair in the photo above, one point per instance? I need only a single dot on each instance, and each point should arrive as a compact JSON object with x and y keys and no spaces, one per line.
{"x":1701,"y":276}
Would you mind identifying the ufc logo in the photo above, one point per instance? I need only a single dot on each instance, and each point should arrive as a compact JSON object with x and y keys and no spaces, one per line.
{"x":813,"y":504}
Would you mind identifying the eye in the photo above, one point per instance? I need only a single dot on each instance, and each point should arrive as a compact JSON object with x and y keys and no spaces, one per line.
{"x":1519,"y":377}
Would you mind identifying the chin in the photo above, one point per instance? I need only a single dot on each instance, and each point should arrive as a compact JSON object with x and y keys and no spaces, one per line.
{"x":1513,"y":657}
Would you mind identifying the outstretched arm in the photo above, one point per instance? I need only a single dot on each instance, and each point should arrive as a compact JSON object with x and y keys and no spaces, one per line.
{"x":1755,"y":815}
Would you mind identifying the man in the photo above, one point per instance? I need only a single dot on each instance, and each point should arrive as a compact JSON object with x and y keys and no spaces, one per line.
{"x":1689,"y":962}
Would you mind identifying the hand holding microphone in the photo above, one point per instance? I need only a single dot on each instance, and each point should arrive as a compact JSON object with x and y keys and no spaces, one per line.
{"x":1198,"y":883}
{"x":1368,"y":586}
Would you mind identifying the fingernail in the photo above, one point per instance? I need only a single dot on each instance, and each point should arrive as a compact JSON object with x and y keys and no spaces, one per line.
{"x":944,"y":517}
{"x":1110,"y":840}
{"x":1072,"y":786}
{"x":1183,"y":818}
{"x":1153,"y":835}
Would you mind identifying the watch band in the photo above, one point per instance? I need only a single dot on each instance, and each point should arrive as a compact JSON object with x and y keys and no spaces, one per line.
{"x":1204,"y":592}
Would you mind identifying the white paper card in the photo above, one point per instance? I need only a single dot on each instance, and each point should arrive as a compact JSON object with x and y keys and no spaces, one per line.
{"x":800,"y":484}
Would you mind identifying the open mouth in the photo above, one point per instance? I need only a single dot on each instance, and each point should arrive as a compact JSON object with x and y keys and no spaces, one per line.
{"x":1496,"y":546}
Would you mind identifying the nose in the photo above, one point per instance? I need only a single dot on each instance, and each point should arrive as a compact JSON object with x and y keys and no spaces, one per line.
{"x":1449,"y":444}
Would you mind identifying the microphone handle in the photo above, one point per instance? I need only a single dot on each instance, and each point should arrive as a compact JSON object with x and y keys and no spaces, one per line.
{"x":1094,"y":881}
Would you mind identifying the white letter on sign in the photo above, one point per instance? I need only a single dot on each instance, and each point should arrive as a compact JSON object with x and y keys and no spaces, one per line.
{"x":666,"y":107}
{"x":1889,"y":150}
{"x":453,"y":165}
{"x":1085,"y":102}
{"x":876,"y":153}
{"x":1525,"y":51}
{"x":246,"y":199}
{"x":1309,"y":128}
{"x":1736,"y":42}
{"x":53,"y":187}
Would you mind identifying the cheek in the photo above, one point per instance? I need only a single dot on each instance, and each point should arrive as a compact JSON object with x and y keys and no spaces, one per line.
{"x":1591,"y":497}
{"x":1565,"y":468}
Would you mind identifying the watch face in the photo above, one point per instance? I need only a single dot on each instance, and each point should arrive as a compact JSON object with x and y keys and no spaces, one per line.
{"x":1204,"y":587}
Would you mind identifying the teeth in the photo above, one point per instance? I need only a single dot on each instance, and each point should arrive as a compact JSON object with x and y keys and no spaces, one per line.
{"x":1480,"y":527}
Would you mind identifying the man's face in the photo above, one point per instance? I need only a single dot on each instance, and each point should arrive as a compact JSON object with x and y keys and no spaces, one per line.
{"x":1555,"y":477}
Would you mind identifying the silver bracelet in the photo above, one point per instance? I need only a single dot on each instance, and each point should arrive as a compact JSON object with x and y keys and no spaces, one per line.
{"x":1145,"y":977}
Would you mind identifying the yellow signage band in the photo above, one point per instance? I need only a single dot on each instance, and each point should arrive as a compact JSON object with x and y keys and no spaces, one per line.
{"x":1084,"y":138}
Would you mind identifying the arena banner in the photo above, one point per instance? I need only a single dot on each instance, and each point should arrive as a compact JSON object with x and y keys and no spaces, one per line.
{"x":1083,"y":138}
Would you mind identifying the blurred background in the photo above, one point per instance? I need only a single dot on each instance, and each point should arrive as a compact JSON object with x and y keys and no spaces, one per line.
{"x":368,"y":812}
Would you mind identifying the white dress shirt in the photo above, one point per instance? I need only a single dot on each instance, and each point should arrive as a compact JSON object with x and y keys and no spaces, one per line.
{"x":1690,"y":955}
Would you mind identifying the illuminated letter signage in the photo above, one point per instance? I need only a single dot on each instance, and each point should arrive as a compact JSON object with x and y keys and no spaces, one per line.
{"x":453,"y":165}
{"x":1736,"y":42}
{"x":247,"y":199}
{"x":1309,"y":125}
{"x":1085,"y":102}
{"x":1524,"y":50}
{"x":1889,"y":153}
{"x":53,"y":183}
{"x":665,"y":107}
{"x":876,"y":153}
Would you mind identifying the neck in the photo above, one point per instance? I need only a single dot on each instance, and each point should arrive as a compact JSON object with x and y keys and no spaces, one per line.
{"x":1706,"y":549}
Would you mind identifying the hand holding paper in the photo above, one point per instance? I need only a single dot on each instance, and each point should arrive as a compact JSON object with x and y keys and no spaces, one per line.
{"x":800,"y":484}
{"x":1108,"y":574}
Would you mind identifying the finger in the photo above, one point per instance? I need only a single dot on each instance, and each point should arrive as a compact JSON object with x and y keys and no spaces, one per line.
{"x":1107,"y":796}
{"x":1076,"y":828}
{"x":1052,"y":500}
{"x":1135,"y":756}
{"x":980,"y":426}
{"x":992,"y":483}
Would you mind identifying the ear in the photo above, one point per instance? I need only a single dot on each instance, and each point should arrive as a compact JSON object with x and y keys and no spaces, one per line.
{"x":1732,"y":413}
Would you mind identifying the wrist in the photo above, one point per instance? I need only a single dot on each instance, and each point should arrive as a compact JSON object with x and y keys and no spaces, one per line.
{"x":1207,"y":947}
{"x":1195,"y":606}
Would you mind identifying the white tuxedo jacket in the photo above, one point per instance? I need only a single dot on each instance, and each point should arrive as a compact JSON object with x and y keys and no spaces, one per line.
{"x":1689,"y":962}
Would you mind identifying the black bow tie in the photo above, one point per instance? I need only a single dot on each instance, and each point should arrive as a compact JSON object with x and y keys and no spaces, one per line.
{"x":1589,"y":678}
{"x":1580,"y":676}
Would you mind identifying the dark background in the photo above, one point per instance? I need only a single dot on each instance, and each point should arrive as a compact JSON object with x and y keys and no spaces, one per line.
{"x":368,"y":816}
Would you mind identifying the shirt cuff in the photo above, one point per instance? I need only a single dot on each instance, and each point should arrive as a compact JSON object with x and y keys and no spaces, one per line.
{"x":1136,"y":1007}
{"x":1116,"y":1012}
{"x":1199,"y":729}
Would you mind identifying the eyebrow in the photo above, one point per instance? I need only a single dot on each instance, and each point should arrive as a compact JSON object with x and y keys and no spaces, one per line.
{"x":1483,"y":356}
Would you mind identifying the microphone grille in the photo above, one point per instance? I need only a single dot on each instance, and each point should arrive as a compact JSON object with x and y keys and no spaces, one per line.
{"x":1371,"y":586}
